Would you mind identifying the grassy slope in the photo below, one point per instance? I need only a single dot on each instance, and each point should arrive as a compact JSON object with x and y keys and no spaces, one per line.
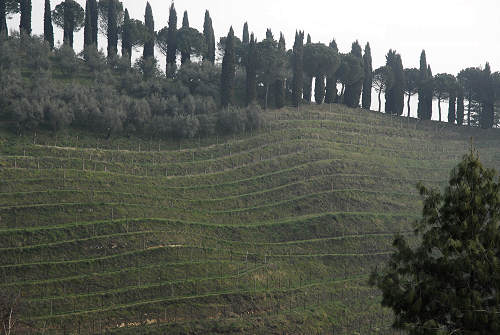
{"x":274,"y":232}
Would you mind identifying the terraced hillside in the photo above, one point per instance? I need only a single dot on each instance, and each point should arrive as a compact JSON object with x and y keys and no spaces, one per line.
{"x":268,"y":233}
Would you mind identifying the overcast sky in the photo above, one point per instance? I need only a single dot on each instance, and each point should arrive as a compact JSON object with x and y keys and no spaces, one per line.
{"x":455,"y":33}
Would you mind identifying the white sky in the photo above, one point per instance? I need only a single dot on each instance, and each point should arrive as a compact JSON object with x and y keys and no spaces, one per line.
{"x":455,"y":33}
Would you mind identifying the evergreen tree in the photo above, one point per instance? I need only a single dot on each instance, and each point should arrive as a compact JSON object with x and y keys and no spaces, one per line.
{"x":394,"y":96}
{"x":309,"y":40}
{"x":279,"y":85}
{"x":185,"y":55}
{"x":48,"y":29}
{"x":452,"y":112}
{"x":112,"y":29}
{"x":368,"y":80}
{"x":70,"y":16}
{"x":307,"y":86}
{"x":448,"y":283}
{"x":228,"y":71}
{"x":298,"y":68}
{"x":429,"y":88}
{"x":460,"y":106}
{"x":251,"y":71}
{"x":422,"y":107}
{"x":331,"y":80}
{"x":352,"y":93}
{"x":94,"y":17}
{"x":319,"y":88}
{"x":172,"y":38}
{"x":149,"y":43}
{"x":487,"y":116}
{"x":208,"y":33}
{"x":126,"y":37}
{"x":3,"y":19}
{"x":246,"y":38}
{"x":411,"y":85}
{"x":87,"y":30}
{"x":25,"y":22}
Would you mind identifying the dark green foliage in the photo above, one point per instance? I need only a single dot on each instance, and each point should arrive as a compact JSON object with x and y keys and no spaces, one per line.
{"x":383,"y":79}
{"x":411,"y":85}
{"x":234,"y":120}
{"x":460,"y":106}
{"x":298,"y":68}
{"x":309,"y":40}
{"x":209,"y":36}
{"x":126,"y":37}
{"x":25,"y":22}
{"x":443,"y":84}
{"x":70,"y":16}
{"x":185,"y":54}
{"x":279,"y":85}
{"x":3,"y":19}
{"x":172,"y":37}
{"x":452,"y":109}
{"x":446,"y":284}
{"x":251,"y":71}
{"x":368,"y":80}
{"x":319,"y":88}
{"x":350,"y":74}
{"x":331,"y":80}
{"x":394,"y":97}
{"x":112,"y":31}
{"x":149,"y":42}
{"x":48,"y":29}
{"x":246,"y":37}
{"x":353,"y":88}
{"x":487,"y":94}
{"x":425,"y":89}
{"x":470,"y":81}
{"x":87,"y":30}
{"x":94,"y":19}
{"x":228,"y":71}
{"x":189,"y":42}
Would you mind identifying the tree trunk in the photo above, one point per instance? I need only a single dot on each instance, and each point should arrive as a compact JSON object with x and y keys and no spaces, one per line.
{"x":379,"y":101}
{"x":439,"y":107}
{"x":469,"y":108}
{"x":409,"y":108}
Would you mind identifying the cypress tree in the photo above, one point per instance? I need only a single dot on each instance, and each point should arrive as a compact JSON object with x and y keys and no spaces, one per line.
{"x":319,"y":88}
{"x":429,"y":96}
{"x":298,"y":68}
{"x":251,"y":70}
{"x":149,"y":23}
{"x":112,"y":30}
{"x":246,"y":38}
{"x":279,"y":85}
{"x":331,"y":81}
{"x":94,"y":16}
{"x":452,"y":104}
{"x":228,"y":71}
{"x":48,"y":29}
{"x":185,"y":56}
{"x":172,"y":37}
{"x":368,"y":81}
{"x":422,"y":113}
{"x":460,"y":107}
{"x":399,"y":86}
{"x":352,"y":93}
{"x":126,"y":37}
{"x":487,"y":116}
{"x":389,"y":93}
{"x":3,"y":19}
{"x":208,"y":34}
{"x":87,"y":30}
{"x":25,"y":22}
{"x":308,"y":79}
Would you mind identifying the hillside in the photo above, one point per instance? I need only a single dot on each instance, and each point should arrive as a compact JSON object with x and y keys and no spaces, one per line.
{"x":266,"y":233}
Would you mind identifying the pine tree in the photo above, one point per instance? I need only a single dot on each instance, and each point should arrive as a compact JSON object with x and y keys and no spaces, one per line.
{"x":126,"y":37}
{"x":368,"y":81}
{"x":447,"y":284}
{"x":208,"y":34}
{"x":94,"y":16}
{"x":331,"y":81}
{"x":172,"y":38}
{"x":279,"y":85}
{"x":112,"y":30}
{"x":48,"y":29}
{"x":3,"y":19}
{"x":25,"y":22}
{"x":228,"y":71}
{"x":352,"y":94}
{"x":68,"y":24}
{"x":185,"y":56}
{"x":422,"y":112}
{"x":460,"y":107}
{"x":70,"y":16}
{"x":298,"y":68}
{"x":251,"y":70}
{"x":149,"y":24}
{"x":246,"y":39}
{"x":87,"y":30}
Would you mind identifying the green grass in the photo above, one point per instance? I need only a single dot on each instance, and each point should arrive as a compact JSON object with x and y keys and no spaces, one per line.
{"x":259,"y":233}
